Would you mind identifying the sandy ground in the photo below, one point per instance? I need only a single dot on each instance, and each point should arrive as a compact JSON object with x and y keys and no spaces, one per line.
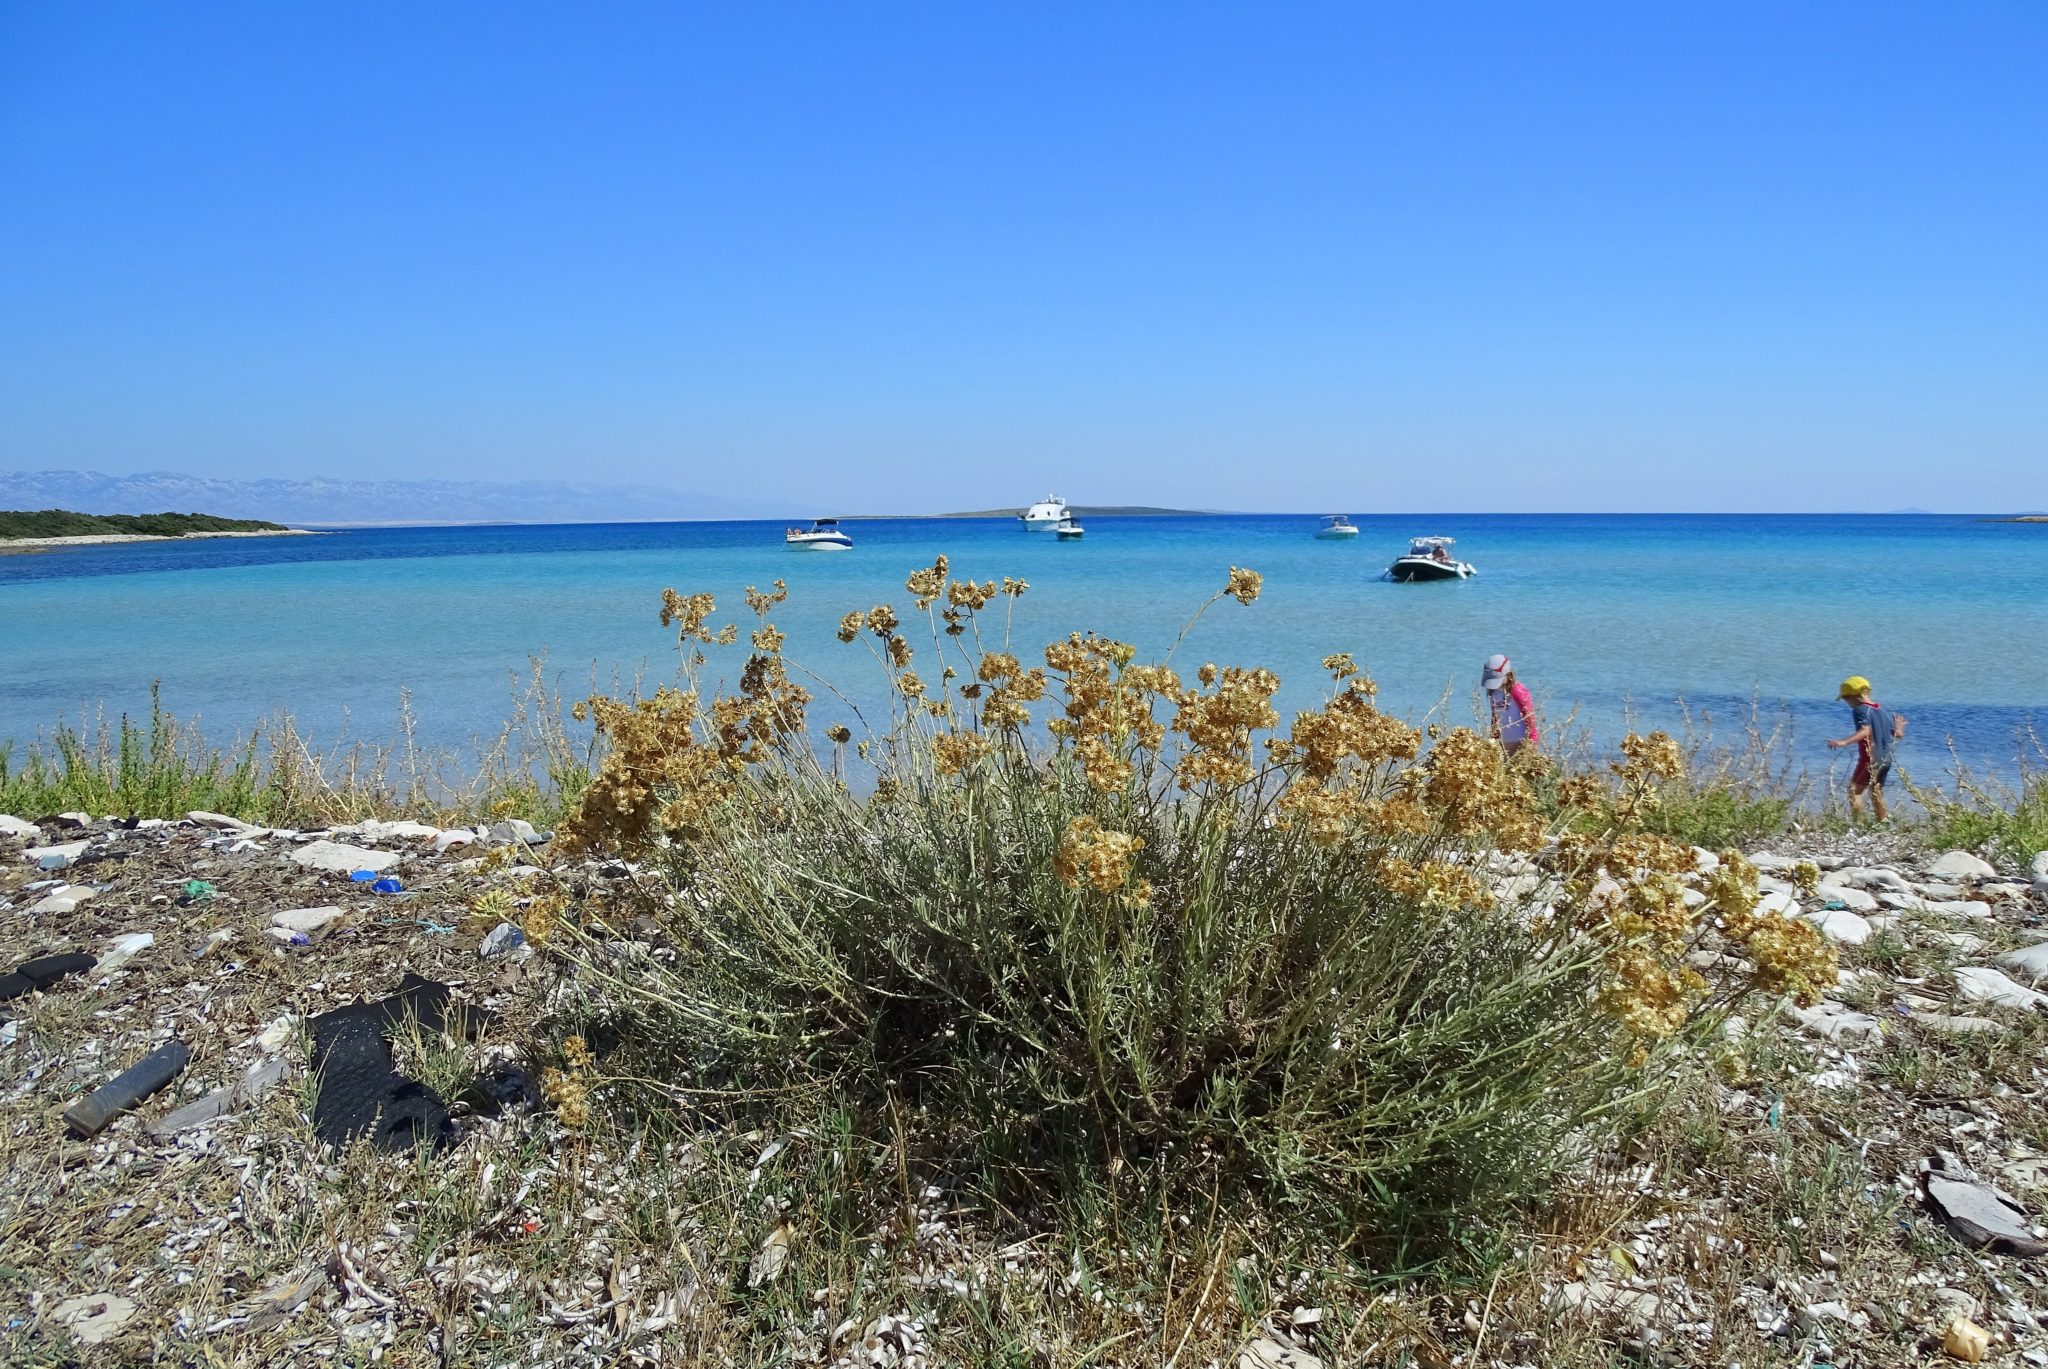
{"x":96,"y":538}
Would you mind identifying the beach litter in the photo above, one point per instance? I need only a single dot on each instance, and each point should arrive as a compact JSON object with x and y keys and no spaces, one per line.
{"x":124,"y":949}
{"x":387,"y":885}
{"x":361,"y":1092}
{"x":90,"y":1114}
{"x":41,"y":973}
{"x":503,"y":939}
{"x":228,"y":1098}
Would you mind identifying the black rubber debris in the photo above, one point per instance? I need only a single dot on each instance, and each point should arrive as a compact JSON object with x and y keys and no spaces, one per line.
{"x":361,"y":1094}
{"x":495,"y":1090}
{"x":41,"y":973}
{"x":48,"y":969}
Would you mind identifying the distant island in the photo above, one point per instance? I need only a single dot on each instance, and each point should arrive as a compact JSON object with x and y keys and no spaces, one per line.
{"x":22,"y":529}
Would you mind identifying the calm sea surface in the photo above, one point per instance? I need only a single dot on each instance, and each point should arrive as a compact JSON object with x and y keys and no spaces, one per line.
{"x":1607,"y":617}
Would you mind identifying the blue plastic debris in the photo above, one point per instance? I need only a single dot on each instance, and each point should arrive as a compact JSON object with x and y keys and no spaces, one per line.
{"x":387,"y":885}
{"x":362,"y":876}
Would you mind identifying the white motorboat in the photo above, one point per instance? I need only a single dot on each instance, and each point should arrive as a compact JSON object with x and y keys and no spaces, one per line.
{"x":1067,"y":530}
{"x":822,"y":535}
{"x":1045,"y":515}
{"x":1429,"y":558}
{"x":1337,"y":526}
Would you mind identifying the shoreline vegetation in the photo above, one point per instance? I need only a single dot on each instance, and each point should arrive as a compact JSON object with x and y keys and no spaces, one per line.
{"x":43,"y":528}
{"x":1082,"y":1010}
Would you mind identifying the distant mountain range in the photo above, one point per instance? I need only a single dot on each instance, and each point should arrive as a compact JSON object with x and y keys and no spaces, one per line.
{"x":320,"y":500}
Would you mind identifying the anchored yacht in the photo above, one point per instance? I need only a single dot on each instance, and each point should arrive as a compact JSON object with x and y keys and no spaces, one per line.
{"x":1067,"y":530}
{"x":1337,"y":526}
{"x":822,"y":535}
{"x":1045,"y":515}
{"x":1429,"y":558}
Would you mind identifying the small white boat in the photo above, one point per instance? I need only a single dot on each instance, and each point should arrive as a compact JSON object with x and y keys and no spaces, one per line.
{"x":822,"y":535}
{"x":1337,"y":526}
{"x":1045,"y":515}
{"x":1429,"y":558}
{"x":1067,"y":530}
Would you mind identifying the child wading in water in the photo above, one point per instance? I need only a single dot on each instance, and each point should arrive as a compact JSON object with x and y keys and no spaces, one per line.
{"x":1514,"y":712}
{"x":1877,"y":732}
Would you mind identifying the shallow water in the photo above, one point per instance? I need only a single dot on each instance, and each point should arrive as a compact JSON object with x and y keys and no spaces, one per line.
{"x":1607,"y":617}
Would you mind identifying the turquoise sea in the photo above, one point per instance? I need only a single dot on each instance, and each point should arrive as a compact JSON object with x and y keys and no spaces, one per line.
{"x":1609,"y":618}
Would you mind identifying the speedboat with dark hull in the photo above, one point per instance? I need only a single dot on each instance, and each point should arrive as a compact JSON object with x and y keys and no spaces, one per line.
{"x":1429,"y":558}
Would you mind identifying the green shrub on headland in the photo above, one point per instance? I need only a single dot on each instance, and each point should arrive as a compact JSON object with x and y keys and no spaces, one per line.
{"x":65,"y":523}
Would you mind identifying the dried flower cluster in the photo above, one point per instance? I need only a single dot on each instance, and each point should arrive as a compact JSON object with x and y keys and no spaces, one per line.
{"x":1096,"y":856}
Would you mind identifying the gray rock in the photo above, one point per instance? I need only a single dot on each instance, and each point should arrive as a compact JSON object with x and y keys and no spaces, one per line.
{"x":1977,"y":1218}
{"x":1961,"y":865}
{"x":2030,"y":961}
{"x":335,"y":855}
{"x":1981,"y":985}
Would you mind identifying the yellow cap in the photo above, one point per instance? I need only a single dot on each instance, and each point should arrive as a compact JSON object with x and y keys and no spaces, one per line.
{"x":1855,"y":687}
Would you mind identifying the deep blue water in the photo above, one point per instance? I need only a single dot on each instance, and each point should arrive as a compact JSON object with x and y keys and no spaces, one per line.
{"x":1608,"y":617}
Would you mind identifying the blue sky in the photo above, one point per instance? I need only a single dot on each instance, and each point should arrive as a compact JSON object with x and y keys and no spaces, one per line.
{"x":917,"y":257}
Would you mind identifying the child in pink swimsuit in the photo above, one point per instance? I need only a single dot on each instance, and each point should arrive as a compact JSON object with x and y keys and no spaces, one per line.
{"x":1514,"y":712}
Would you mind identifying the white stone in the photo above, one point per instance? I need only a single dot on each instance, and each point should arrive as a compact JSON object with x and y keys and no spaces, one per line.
{"x":1772,"y":861}
{"x":94,"y":1318}
{"x":2030,"y":961}
{"x":1910,"y":903}
{"x":1855,"y":900}
{"x":1784,"y":904}
{"x":220,"y":820}
{"x":454,"y":837}
{"x":1968,"y":943}
{"x":16,"y":827}
{"x":314,"y":922}
{"x":1874,"y":877}
{"x":2038,"y":872}
{"x":513,"y":829}
{"x":1949,"y":1025}
{"x":1937,"y":890}
{"x":335,"y":855}
{"x":70,"y":850}
{"x":1705,"y":861}
{"x":1839,"y":925}
{"x":1961,"y":907}
{"x":1832,"y":1022}
{"x":64,"y":898}
{"x":1981,"y":985}
{"x":374,"y":830}
{"x":1961,"y":865}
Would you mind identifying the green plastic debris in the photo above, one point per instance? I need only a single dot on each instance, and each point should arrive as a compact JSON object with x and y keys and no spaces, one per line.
{"x":197,"y":891}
